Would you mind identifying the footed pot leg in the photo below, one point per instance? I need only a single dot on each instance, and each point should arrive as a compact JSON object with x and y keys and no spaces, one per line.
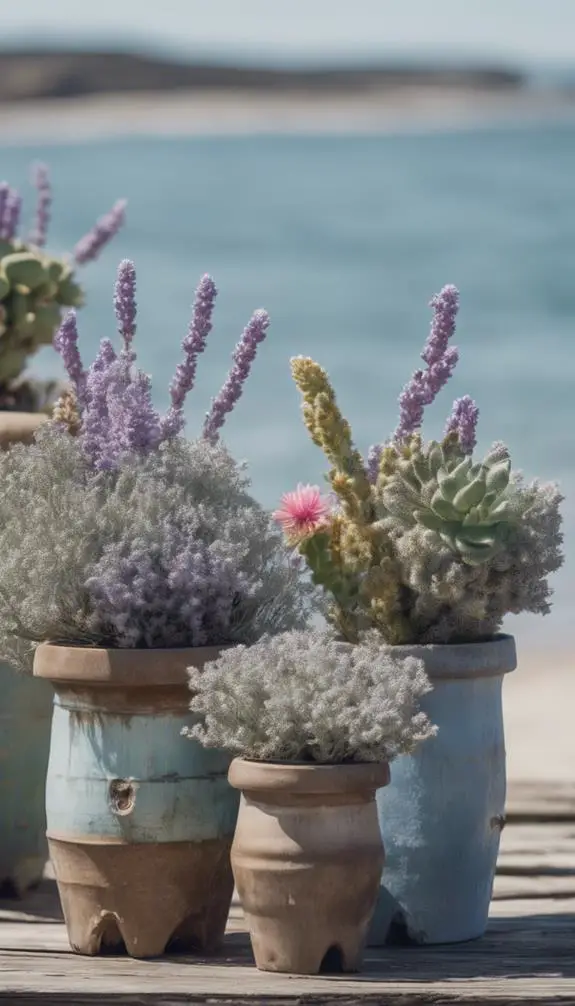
{"x":288,"y":946}
{"x":145,"y":897}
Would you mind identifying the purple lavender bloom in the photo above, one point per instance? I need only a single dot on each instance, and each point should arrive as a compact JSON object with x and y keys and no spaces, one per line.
{"x":440,"y":358}
{"x":12,"y":206}
{"x":125,"y":303}
{"x":66,"y":344}
{"x":134,"y":423}
{"x":463,"y":421}
{"x":373,"y":460}
{"x":183,"y":584}
{"x":193,"y":344}
{"x":243,"y":357}
{"x":445,"y":305}
{"x":89,"y":247}
{"x":95,"y":436}
{"x":42,"y":183}
{"x":4,"y":192}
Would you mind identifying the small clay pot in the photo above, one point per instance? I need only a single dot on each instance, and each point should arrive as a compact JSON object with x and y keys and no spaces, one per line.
{"x":307,"y":857}
{"x":140,"y":819}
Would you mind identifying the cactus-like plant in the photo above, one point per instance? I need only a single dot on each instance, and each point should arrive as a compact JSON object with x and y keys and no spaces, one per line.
{"x":35,"y":285}
{"x":423,"y":544}
{"x":471,"y":506}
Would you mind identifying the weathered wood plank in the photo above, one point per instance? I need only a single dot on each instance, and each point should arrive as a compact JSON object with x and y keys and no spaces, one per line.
{"x":528,"y":954}
{"x":524,"y":957}
{"x":544,"y":800}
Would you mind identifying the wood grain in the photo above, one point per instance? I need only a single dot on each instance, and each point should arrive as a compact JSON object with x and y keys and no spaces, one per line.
{"x":528,"y":954}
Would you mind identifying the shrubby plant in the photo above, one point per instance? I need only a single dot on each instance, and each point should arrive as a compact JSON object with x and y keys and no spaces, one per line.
{"x":307,"y":697}
{"x":116,"y":531}
{"x":424,"y":543}
{"x":36,"y":285}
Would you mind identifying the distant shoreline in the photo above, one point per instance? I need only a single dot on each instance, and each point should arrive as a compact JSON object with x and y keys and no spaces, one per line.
{"x":32,"y":75}
{"x":212,"y":113}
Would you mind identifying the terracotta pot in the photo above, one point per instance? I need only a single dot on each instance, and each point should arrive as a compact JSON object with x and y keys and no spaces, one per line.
{"x":25,"y":713}
{"x":307,"y":859}
{"x":442,"y":815}
{"x":140,"y":819}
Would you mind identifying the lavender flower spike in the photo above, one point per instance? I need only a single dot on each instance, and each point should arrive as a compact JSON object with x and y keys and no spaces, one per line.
{"x":373,"y":460}
{"x":10,"y":214}
{"x":4,"y":193}
{"x":125,"y":303}
{"x":440,"y":358}
{"x":89,"y":247}
{"x":193,"y":344}
{"x":42,"y":183}
{"x":66,"y":344}
{"x":463,"y":421}
{"x":243,"y":357}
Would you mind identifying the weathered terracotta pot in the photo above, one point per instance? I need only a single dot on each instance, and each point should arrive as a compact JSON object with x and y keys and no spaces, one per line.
{"x":307,"y":859}
{"x":140,"y":819}
{"x":25,"y":712}
{"x":441,"y":816}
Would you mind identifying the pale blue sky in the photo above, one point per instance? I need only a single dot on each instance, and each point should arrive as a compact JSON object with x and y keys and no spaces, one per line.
{"x":532,"y":30}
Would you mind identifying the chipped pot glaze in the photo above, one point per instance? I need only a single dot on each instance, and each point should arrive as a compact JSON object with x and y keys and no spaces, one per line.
{"x":442,"y":814}
{"x":140,"y":819}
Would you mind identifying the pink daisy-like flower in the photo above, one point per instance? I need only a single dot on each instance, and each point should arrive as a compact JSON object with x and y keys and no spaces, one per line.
{"x":302,"y":512}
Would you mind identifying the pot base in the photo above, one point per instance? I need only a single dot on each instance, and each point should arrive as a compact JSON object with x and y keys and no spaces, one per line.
{"x":144,"y":897}
{"x":323,"y":948}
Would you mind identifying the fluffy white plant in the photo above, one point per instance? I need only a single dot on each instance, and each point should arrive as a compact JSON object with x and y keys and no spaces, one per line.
{"x":168,"y":550}
{"x":304,"y":696}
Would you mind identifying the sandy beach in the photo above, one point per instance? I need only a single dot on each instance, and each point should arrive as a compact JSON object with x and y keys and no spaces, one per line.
{"x":213,"y":112}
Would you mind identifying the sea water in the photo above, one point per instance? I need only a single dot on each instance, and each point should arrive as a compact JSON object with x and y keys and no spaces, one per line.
{"x":344,"y":240}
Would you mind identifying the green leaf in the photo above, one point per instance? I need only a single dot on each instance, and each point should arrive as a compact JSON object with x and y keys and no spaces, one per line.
{"x":470,"y":495}
{"x":443,"y":507}
{"x":498,"y":476}
{"x":429,"y":520}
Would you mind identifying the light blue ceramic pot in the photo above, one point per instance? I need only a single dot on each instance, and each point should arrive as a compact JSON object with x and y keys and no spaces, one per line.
{"x":25,"y":714}
{"x":140,"y":819}
{"x":442,"y":814}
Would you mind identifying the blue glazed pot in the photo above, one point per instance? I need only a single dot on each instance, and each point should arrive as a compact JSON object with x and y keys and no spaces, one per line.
{"x":140,"y":819}
{"x":442,"y":814}
{"x":25,"y":714}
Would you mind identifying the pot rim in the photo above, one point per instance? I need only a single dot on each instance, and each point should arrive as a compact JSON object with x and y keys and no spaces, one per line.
{"x":307,"y":778}
{"x":489,"y":658}
{"x":123,"y":668}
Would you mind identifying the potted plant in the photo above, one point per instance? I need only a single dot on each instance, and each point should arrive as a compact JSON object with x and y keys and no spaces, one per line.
{"x":432,"y":549}
{"x":138,"y":554}
{"x":313,"y":723}
{"x":35,"y":285}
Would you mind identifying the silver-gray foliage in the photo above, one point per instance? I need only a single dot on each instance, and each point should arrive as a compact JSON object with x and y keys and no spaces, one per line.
{"x":168,"y":550}
{"x":304,"y":696}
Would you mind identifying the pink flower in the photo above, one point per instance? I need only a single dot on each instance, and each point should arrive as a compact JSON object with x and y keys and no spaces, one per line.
{"x":302,"y":512}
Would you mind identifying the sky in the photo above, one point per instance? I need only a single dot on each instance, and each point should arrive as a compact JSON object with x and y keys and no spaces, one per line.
{"x":518,"y":30}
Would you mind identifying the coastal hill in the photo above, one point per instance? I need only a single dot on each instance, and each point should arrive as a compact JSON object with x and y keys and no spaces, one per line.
{"x":48,"y":74}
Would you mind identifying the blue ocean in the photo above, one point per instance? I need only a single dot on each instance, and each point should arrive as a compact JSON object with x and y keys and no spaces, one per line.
{"x":344,"y":240}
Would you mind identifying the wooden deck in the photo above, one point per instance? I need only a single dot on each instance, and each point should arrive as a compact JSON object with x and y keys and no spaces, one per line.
{"x":527,"y":956}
